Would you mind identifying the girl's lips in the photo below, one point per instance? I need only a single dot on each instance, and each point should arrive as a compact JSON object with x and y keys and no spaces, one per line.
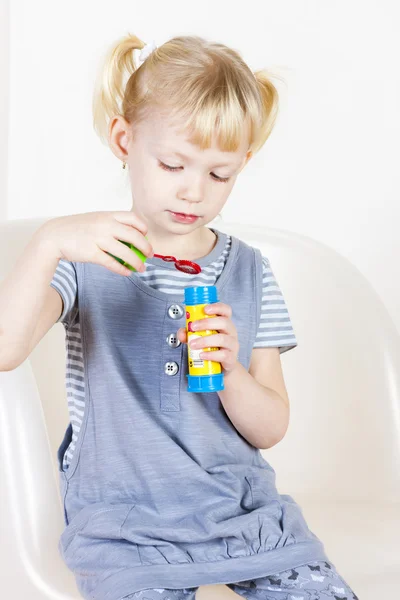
{"x":184,"y":214}
{"x":183,"y":218}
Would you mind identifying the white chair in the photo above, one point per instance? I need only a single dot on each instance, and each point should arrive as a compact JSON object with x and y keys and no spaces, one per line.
{"x":340,"y":458}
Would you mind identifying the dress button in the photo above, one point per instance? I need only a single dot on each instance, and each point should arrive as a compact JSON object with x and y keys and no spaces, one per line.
{"x":176,"y":311}
{"x":172,"y":340}
{"x":171,"y":368}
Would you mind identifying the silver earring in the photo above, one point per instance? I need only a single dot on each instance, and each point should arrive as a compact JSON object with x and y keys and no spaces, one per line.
{"x":124,"y":165}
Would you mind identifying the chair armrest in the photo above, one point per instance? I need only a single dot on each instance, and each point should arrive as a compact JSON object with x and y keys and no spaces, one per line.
{"x":31,"y":566}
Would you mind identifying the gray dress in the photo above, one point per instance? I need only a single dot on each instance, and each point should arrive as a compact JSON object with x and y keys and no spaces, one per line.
{"x":162,"y":490}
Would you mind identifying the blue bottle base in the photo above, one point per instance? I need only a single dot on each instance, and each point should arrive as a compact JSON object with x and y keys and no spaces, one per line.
{"x":205,"y":383}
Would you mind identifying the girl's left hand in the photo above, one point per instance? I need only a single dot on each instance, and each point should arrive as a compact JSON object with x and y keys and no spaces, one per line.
{"x":226,"y":339}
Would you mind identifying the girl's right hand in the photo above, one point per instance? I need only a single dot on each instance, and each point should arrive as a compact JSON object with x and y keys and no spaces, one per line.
{"x":87,"y":237}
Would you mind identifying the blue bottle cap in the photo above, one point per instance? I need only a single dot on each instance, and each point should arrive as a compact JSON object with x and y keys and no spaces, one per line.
{"x":206,"y":383}
{"x":200,"y":294}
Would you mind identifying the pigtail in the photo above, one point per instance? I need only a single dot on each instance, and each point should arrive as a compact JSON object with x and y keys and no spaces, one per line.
{"x":270,"y":107}
{"x":109,"y":89}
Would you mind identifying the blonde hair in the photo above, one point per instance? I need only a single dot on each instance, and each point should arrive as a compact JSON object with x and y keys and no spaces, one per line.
{"x":206,"y":83}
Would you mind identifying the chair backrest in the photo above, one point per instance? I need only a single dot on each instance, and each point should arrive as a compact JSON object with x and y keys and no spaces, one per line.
{"x":343,"y":378}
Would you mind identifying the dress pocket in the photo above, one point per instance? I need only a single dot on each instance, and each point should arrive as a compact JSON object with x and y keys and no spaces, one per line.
{"x":93,"y":532}
{"x":93,"y":546}
{"x":276,"y":530}
{"x":264,"y":495}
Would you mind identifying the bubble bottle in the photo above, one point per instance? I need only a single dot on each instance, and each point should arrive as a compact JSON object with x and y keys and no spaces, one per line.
{"x":204,"y":375}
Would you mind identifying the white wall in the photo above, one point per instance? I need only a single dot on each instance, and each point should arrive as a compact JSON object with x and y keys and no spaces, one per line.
{"x":330,"y":169}
{"x":4,"y":106}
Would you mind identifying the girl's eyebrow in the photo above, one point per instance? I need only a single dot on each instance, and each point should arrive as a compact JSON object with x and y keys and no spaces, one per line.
{"x":169,"y":151}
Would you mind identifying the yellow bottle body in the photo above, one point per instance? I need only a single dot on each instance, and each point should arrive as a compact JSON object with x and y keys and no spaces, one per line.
{"x":197,"y":365}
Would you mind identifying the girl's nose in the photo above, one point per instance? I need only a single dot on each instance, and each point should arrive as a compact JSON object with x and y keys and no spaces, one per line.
{"x":194,"y":190}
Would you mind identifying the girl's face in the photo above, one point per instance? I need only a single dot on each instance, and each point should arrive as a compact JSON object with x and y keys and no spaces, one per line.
{"x":169,"y":174}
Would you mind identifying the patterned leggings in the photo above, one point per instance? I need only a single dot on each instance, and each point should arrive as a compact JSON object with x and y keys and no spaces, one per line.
{"x":314,"y":581}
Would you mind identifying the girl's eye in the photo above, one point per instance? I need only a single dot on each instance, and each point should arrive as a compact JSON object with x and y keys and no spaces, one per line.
{"x":168,"y":168}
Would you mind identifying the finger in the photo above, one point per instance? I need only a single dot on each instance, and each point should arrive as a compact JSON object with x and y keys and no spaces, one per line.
{"x":182,"y":335}
{"x":102,"y":258}
{"x":218,"y":308}
{"x":223,"y":324}
{"x":221,"y":356}
{"x":133,"y":236}
{"x":128,"y":217}
{"x":219,"y":340}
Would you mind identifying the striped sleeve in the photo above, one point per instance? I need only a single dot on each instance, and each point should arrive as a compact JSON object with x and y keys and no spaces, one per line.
{"x":65,"y":282}
{"x":275,"y":328}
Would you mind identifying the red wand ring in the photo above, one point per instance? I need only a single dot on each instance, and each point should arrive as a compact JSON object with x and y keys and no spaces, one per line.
{"x":187,"y":266}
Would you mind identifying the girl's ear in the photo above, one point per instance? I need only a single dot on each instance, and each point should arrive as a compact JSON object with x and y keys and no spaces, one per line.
{"x":118,"y":136}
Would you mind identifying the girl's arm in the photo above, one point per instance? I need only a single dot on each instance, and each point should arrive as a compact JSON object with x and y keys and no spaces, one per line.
{"x":25,"y":296}
{"x":256,"y":401}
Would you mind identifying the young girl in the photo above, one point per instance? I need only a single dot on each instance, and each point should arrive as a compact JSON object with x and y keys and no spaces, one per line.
{"x":165,"y":490}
